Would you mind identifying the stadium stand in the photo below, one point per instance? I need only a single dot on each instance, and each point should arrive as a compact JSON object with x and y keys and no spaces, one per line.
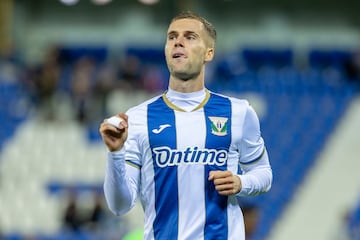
{"x":304,"y":108}
{"x":57,"y":155}
{"x":12,"y":109}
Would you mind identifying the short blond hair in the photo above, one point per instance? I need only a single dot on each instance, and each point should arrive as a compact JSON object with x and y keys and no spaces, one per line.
{"x":209,"y":28}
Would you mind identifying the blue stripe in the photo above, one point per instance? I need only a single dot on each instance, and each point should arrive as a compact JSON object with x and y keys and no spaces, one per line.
{"x":133,"y":164}
{"x":256,"y":159}
{"x":166,"y":189}
{"x":216,"y":226}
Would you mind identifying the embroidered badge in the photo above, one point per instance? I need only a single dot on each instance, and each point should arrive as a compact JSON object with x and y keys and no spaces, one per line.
{"x":219,"y":126}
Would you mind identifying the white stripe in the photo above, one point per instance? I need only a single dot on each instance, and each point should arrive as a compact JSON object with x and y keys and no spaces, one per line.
{"x":235,"y":216}
{"x":191,"y":131}
{"x":235,"y":220}
{"x":147,"y":180}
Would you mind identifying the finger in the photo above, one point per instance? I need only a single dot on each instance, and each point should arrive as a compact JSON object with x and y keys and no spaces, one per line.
{"x":111,"y":132}
{"x":123,"y":125}
{"x":223,"y":174}
{"x":104,"y":127}
{"x":125,"y":118}
{"x":220,"y":181}
{"x":211,"y":175}
{"x":224,"y":187}
{"x":113,"y":129}
{"x":227,"y":192}
{"x":215,"y":174}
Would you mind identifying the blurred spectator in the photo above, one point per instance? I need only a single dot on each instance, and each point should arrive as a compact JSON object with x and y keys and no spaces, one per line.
{"x":97,"y":215}
{"x":129,"y":73}
{"x":81,"y":87}
{"x":103,"y":85}
{"x":342,"y":231}
{"x":72,"y":218}
{"x":80,"y":218}
{"x":352,"y":67}
{"x":10,"y":65}
{"x":154,"y":81}
{"x":44,"y":80}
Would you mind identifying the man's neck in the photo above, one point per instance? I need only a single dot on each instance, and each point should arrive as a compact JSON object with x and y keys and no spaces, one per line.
{"x":186,"y":101}
{"x":187,"y":86}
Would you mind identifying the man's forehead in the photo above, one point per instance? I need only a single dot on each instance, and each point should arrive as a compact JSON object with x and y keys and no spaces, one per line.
{"x":186,"y":24}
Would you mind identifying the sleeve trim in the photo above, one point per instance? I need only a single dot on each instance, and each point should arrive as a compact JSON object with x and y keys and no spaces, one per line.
{"x":256,"y":159}
{"x":138,"y":166}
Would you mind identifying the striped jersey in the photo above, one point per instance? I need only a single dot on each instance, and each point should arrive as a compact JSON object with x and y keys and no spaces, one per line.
{"x":169,"y":153}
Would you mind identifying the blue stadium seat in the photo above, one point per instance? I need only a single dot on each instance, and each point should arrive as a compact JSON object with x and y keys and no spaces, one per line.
{"x":71,"y":54}
{"x":323,"y":58}
{"x":153,"y":55}
{"x":304,"y":107}
{"x":256,"y":58}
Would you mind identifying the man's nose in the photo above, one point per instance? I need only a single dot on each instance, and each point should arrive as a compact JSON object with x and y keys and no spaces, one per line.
{"x":179,"y":42}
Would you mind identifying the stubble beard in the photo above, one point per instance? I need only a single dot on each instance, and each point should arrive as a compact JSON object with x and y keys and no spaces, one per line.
{"x":185,"y":76}
{"x":185,"y":73}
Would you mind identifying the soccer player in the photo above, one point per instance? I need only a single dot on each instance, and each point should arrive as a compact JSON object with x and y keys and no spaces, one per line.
{"x":180,"y":152}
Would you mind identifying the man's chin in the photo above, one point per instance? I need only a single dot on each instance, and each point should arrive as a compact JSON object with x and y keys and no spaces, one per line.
{"x":185,"y":76}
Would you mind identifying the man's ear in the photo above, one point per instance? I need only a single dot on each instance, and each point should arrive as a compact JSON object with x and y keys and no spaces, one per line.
{"x":209,"y":54}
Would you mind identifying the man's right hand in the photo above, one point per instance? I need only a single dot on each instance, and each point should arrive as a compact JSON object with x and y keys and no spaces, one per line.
{"x":114,"y":137}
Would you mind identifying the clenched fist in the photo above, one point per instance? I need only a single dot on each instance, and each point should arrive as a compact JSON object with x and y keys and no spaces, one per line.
{"x":226,"y":183}
{"x":114,"y":136}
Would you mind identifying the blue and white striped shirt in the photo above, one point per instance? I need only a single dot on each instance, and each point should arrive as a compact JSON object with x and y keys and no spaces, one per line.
{"x":174,"y":141}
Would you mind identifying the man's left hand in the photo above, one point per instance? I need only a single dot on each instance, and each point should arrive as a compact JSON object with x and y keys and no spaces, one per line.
{"x":226,"y":183}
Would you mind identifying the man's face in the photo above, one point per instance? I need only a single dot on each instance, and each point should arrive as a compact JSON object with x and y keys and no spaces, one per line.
{"x":186,"y":48}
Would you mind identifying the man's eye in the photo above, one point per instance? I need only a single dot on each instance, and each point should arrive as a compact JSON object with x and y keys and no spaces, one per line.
{"x":190,"y":37}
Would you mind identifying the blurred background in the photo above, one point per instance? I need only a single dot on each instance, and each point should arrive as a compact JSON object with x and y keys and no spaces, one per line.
{"x":67,"y":64}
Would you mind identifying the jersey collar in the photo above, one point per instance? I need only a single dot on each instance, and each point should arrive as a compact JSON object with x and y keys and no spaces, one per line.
{"x":173,"y":106}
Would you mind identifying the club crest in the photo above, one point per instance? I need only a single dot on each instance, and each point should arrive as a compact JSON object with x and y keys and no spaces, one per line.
{"x":219,"y":126}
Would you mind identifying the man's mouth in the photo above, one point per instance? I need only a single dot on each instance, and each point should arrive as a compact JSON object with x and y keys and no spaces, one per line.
{"x":178,"y":55}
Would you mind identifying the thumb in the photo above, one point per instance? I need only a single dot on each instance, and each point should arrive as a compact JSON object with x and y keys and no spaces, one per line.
{"x":211,"y":175}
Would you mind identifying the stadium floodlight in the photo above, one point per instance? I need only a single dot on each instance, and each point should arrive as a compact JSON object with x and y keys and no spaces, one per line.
{"x":69,"y":2}
{"x":101,"y":2}
{"x":149,"y":2}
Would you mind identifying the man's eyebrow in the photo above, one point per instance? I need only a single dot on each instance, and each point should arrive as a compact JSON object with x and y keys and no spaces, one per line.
{"x":186,"y":33}
{"x":172,"y":33}
{"x":191,"y":32}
